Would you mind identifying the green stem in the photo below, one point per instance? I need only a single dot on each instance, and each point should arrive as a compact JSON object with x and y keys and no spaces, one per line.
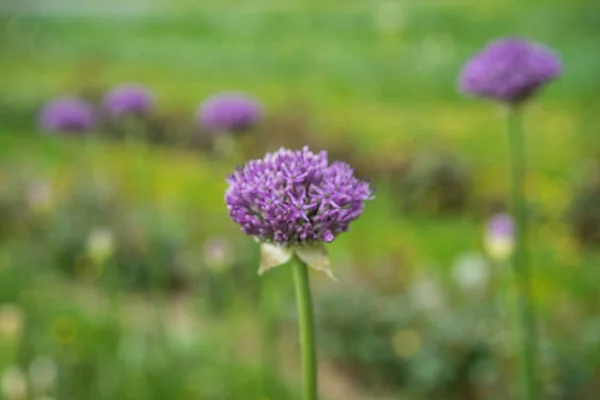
{"x":522,"y":272}
{"x":307,"y":330}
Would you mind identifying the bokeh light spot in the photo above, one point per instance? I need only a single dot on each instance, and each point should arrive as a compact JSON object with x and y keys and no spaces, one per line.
{"x":64,"y":330}
{"x":407,"y":343}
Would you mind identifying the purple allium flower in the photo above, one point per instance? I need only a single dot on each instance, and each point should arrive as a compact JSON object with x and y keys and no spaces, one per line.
{"x":229,"y":112}
{"x":295,"y":197}
{"x":499,"y":236}
{"x":67,"y":114}
{"x":509,"y":70}
{"x":501,"y":225}
{"x":128,"y":99}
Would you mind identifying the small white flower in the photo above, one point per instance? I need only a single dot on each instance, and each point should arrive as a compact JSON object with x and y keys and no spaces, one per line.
{"x":14,"y":384}
{"x":427,"y":295}
{"x":39,"y":196}
{"x":100,"y":244}
{"x":499,"y":248}
{"x":11,"y":321}
{"x":471,"y":272}
{"x":499,"y":238}
{"x":42,"y":374}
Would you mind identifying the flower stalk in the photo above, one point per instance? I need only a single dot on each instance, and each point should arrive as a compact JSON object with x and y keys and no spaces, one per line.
{"x":292,"y":202}
{"x":306,"y":329}
{"x":520,"y":264}
{"x":512,"y":71}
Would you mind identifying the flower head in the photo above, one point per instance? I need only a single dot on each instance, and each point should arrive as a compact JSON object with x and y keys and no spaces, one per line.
{"x":499,"y":237}
{"x":11,"y":321}
{"x":128,"y":99}
{"x":67,"y":114}
{"x":100,"y":244}
{"x":471,"y":272}
{"x":427,"y":295}
{"x":40,"y":195}
{"x":13,"y":383}
{"x":43,"y":372}
{"x":229,"y":112}
{"x":501,"y":225}
{"x":509,"y":70}
{"x":295,"y":199}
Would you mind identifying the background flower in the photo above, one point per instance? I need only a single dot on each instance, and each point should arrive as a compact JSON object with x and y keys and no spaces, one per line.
{"x":43,"y":373}
{"x":11,"y":321}
{"x":100,"y":244}
{"x":67,"y":114}
{"x":128,"y":99}
{"x":13,"y":384}
{"x":499,"y":237}
{"x":509,"y":70}
{"x":231,"y":112}
{"x":471,"y":272}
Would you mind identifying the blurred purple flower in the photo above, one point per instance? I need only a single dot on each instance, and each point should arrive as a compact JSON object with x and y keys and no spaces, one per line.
{"x":229,"y":112}
{"x":510,"y":70}
{"x":295,"y":197}
{"x":501,"y":225}
{"x":67,"y":114}
{"x":128,"y":99}
{"x":499,"y":236}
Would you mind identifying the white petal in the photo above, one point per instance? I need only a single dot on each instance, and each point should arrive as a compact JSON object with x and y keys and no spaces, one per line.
{"x":317,"y":258}
{"x":272,"y":256}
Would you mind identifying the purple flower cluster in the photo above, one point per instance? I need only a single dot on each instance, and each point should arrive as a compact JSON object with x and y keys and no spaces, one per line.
{"x":67,"y":114}
{"x":295,"y":197}
{"x":499,"y":239}
{"x":129,"y":99}
{"x":509,"y":70}
{"x":229,"y":112}
{"x":501,"y":226}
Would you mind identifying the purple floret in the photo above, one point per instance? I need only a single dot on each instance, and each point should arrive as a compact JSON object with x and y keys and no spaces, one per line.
{"x":501,"y":225}
{"x":67,"y":114}
{"x":229,"y":112}
{"x":130,"y":99}
{"x":295,"y":197}
{"x":510,"y":70}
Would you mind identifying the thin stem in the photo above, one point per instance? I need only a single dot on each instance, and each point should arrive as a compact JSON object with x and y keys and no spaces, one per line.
{"x":307,"y":330}
{"x":520,"y":258}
